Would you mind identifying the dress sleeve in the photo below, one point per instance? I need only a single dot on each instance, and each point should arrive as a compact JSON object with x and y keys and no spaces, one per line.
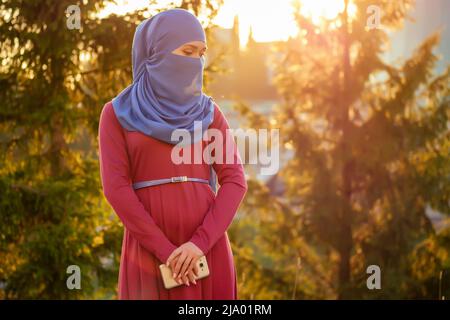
{"x":116,"y":183}
{"x":230,"y":194}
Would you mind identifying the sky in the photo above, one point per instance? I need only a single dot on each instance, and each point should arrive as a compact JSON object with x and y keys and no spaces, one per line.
{"x":429,"y":16}
{"x":272,"y":20}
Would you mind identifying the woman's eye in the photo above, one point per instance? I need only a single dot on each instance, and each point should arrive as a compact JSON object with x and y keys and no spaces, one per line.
{"x":187,"y":53}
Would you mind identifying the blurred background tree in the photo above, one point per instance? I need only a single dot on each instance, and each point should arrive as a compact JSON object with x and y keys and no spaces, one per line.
{"x":370,"y":145}
{"x":54,"y":82}
{"x":369,"y":139}
{"x":52,"y":213}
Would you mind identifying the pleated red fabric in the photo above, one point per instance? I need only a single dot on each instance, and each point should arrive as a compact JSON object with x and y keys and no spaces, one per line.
{"x":158,"y":219}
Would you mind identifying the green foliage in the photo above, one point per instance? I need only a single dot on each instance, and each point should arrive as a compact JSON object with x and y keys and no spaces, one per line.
{"x":370,"y":143}
{"x":371,"y":151}
{"x":273,"y":259}
{"x":53,"y":214}
{"x":53,"y":85}
{"x":50,"y":225}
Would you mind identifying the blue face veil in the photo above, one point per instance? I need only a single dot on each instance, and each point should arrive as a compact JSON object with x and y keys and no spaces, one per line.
{"x":166,"y":93}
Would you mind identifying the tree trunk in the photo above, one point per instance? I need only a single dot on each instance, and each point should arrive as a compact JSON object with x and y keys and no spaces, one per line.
{"x":57,"y":146}
{"x":346,"y":239}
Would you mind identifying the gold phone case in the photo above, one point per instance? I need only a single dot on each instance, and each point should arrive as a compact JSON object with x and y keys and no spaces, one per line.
{"x":169,"y":281}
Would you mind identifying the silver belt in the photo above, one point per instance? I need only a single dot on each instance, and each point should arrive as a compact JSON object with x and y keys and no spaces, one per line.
{"x":149,"y":183}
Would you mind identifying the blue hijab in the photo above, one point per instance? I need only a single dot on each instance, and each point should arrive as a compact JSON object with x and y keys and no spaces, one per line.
{"x":166,"y":93}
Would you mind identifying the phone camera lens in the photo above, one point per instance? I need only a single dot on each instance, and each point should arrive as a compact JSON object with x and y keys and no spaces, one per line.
{"x":201,"y":265}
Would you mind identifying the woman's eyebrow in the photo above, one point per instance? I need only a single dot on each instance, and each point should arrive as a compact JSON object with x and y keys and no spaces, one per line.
{"x":195,"y":47}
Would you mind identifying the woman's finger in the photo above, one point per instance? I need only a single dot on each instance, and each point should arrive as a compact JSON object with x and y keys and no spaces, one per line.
{"x":186,"y":264}
{"x":173,"y":255}
{"x":191,"y":276}
{"x":192,"y":265}
{"x":185,"y":279}
{"x":196,"y":270}
{"x":179,"y":263}
{"x":173,"y":264}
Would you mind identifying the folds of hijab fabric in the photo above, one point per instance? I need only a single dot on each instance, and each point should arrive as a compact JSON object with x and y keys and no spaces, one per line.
{"x":166,"y":93}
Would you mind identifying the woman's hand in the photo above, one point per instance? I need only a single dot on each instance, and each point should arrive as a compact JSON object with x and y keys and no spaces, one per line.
{"x":183,"y":262}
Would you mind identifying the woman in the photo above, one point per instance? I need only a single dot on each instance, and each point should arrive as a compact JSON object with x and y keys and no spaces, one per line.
{"x":172,"y":223}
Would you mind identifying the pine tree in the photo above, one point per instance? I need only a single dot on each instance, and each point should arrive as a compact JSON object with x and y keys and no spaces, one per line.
{"x":370,"y":145}
{"x":54,"y":81}
{"x":364,"y":133}
{"x":52,"y":211}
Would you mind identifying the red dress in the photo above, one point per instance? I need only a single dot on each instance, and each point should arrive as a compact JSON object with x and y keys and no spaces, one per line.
{"x":160,"y":218}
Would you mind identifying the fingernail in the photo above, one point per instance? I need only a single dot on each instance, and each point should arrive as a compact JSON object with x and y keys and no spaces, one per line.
{"x":174,"y":275}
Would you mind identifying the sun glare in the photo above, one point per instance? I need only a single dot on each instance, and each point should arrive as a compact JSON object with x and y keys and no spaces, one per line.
{"x":325,"y":9}
{"x":122,"y":7}
{"x":269,"y":20}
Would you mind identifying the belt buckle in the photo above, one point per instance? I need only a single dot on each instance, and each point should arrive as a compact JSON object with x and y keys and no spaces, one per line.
{"x":179,"y":179}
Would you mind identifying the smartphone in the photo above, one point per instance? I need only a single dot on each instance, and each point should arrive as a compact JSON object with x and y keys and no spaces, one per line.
{"x":170,"y":282}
